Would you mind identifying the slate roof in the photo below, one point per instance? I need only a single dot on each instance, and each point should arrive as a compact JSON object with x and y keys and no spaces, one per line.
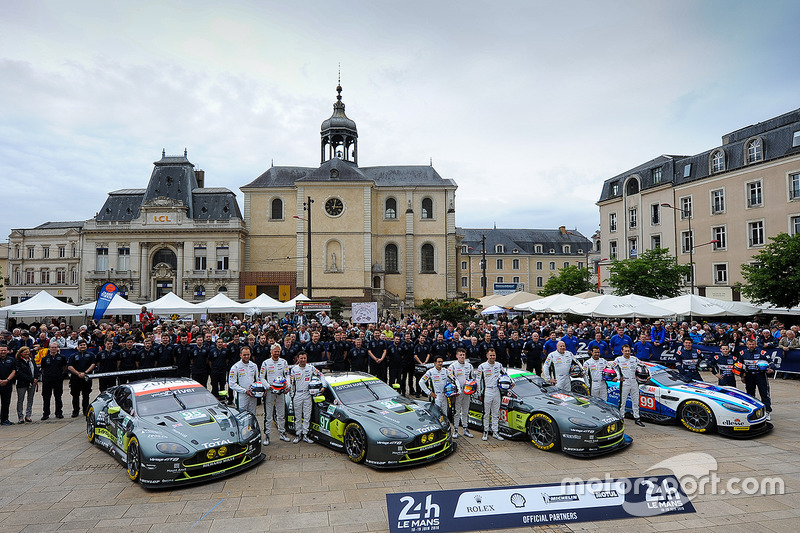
{"x":61,"y":225}
{"x":524,"y":240}
{"x":388,"y":176}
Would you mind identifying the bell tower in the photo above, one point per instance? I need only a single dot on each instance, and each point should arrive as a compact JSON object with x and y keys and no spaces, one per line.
{"x":339,"y":134}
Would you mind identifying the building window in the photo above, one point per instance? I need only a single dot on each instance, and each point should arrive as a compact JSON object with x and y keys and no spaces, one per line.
{"x":222,"y":290}
{"x":200,"y":260}
{"x":717,"y":201}
{"x":29,"y":279}
{"x":612,"y":249}
{"x":74,"y":277}
{"x":655,"y":242}
{"x":222,"y":258}
{"x":102,"y":259}
{"x":537,"y":249}
{"x":464,"y":249}
{"x":539,"y":281}
{"x":166,"y":256}
{"x":655,"y":214}
{"x":655,"y":174}
{"x":124,"y":259}
{"x":391,"y":208}
{"x":74,"y":250}
{"x":62,"y":252}
{"x":61,"y":277}
{"x":632,"y":218}
{"x":45,"y":276}
{"x":276,"y":213}
{"x":687,"y":170}
{"x":612,"y":222}
{"x":499,"y":249}
{"x":580,"y":264}
{"x":463,"y":265}
{"x":428,"y":264}
{"x":464,"y":281}
{"x":614,"y":189}
{"x":566,"y":264}
{"x":390,"y":258}
{"x":719,"y":234}
{"x":686,"y":207}
{"x":687,"y":241}
{"x":566,"y":249}
{"x":539,"y":265}
{"x":515,"y":264}
{"x":633,"y":247}
{"x":755,"y":231}
{"x":794,"y":225}
{"x":796,"y":139}
{"x":499,"y":279}
{"x":552,"y":265}
{"x":427,"y":208}
{"x":794,"y":186}
{"x":499,"y":264}
{"x":199,"y":292}
{"x":632,"y":186}
{"x":123,"y":291}
{"x":755,"y":151}
{"x":31,"y":253}
{"x":718,"y":161}
{"x":515,"y":279}
{"x":46,"y":252}
{"x":721,"y":273}
{"x":754,"y":196}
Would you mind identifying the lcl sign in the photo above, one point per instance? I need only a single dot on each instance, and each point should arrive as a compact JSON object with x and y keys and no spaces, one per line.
{"x":161,"y":218}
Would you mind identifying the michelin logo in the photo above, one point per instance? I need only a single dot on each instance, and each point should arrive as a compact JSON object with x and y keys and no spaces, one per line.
{"x":560,"y":498}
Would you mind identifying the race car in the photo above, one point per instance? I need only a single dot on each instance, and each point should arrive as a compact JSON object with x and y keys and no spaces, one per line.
{"x":701,"y":407}
{"x":367,"y":419}
{"x":555,"y":419}
{"x":172,"y":431}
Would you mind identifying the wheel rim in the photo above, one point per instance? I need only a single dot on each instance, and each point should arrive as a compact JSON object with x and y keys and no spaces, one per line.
{"x":354,"y":443}
{"x":542,"y":432}
{"x":696,"y":416}
{"x":90,"y":425}
{"x":133,"y":461}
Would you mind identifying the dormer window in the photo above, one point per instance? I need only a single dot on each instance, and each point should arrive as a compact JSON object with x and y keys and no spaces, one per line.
{"x":499,"y":249}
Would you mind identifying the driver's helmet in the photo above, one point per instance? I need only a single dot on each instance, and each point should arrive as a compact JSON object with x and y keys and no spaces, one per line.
{"x":642,"y":374}
{"x":314,"y":387}
{"x":575,"y":370}
{"x":762,"y":365}
{"x":257,"y":389}
{"x":738,"y":368}
{"x":504,"y":383}
{"x":450,"y":390}
{"x":470,"y":386}
{"x":279,"y":385}
{"x":609,"y":374}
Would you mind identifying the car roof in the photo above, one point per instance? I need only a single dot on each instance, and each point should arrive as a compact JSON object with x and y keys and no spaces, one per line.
{"x":342,"y":378}
{"x":152,"y":385}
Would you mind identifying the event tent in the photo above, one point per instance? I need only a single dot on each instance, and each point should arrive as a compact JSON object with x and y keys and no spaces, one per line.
{"x":585,"y":295}
{"x":172,"y":303}
{"x":293,"y":302}
{"x":266,"y":304}
{"x":510,"y":300}
{"x":555,"y":303}
{"x":616,"y":306}
{"x":692,"y":304}
{"x":494,"y":310}
{"x":222,"y":304}
{"x":41,"y":304}
{"x":118,"y":306}
{"x":737,"y":308}
{"x":489,"y":299}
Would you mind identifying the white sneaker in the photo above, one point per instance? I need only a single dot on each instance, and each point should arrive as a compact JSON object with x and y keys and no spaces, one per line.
{"x":467,"y":433}
{"x":769,"y":417}
{"x":485,"y":436}
{"x":455,"y":434}
{"x":284,"y":437}
{"x":266,"y":441}
{"x":296,"y":440}
{"x":308,"y":440}
{"x":497,"y":436}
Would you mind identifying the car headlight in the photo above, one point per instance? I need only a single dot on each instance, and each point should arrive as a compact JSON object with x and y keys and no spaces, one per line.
{"x":582,"y":422}
{"x":248,"y":426}
{"x":735,"y":408}
{"x":172,"y":447}
{"x":444,"y":421}
{"x":393,"y":433}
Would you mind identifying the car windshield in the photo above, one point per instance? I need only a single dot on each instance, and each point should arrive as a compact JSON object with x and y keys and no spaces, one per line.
{"x":669,"y":378}
{"x":172,"y":400}
{"x":528,"y":385}
{"x":364,"y":391}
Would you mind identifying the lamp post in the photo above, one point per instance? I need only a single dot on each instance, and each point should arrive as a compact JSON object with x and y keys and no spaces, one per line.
{"x":484,"y":281}
{"x":307,"y":209}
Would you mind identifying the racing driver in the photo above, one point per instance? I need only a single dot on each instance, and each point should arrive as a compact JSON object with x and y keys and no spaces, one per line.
{"x":460,"y":372}
{"x":488,"y":373}
{"x":300,"y":376}
{"x":561,"y":360}
{"x":241,"y":377}
{"x":275,"y":370}
{"x":626,"y":365}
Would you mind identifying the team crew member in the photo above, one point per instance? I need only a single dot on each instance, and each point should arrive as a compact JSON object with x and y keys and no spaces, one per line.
{"x":27,"y":380}
{"x":643,"y":349}
{"x":106,"y":360}
{"x":8,"y":369}
{"x":300,"y":376}
{"x":53,"y":366}
{"x":560,"y":361}
{"x":200,"y":361}
{"x":616,"y":342}
{"x":593,"y":374}
{"x":534,"y":354}
{"x":273,"y":370}
{"x":394,"y":353}
{"x":128,"y":358}
{"x":688,"y":360}
{"x":722,"y":366}
{"x":377,"y":356}
{"x":488,"y":373}
{"x":754,"y":376}
{"x":182,"y":354}
{"x":218,"y":357}
{"x":240,"y":378}
{"x":625,"y":365}
{"x":459,"y":373}
{"x":598,"y":341}
{"x":433,"y":381}
{"x":421,"y":356}
{"x":80,"y":364}
{"x":515,"y":346}
{"x":164,"y":355}
{"x":358,"y":356}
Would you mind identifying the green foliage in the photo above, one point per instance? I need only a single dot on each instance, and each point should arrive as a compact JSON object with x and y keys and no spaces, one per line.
{"x":569,"y":280}
{"x":337,"y":304}
{"x":450,"y":310}
{"x":775,"y":275}
{"x":655,"y":273}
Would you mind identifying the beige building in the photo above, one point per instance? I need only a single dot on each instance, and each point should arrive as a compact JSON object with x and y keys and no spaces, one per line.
{"x":383,"y":234}
{"x":735,"y":196}
{"x":517,"y":259}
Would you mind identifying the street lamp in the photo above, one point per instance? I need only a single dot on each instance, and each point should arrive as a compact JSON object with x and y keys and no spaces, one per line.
{"x":307,"y":209}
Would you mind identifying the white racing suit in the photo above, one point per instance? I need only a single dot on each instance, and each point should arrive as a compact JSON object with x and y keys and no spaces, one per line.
{"x":626,"y":369}
{"x":240,"y":378}
{"x":487,"y":383}
{"x":459,"y":374}
{"x":299,"y":378}
{"x":274,"y":403}
{"x":561,"y":362}
{"x":593,"y":375}
{"x":434,"y":381}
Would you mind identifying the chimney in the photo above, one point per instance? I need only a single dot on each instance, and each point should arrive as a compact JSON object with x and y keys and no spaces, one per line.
{"x":563,"y":230}
{"x":200,"y":176}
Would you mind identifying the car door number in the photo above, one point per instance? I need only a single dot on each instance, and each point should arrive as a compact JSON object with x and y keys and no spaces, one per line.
{"x":647,"y":402}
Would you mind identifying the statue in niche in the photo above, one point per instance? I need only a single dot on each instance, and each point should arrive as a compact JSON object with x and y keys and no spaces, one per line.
{"x":333,"y":261}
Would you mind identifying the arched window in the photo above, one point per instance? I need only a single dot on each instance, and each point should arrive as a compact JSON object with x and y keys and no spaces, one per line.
{"x":123,"y":291}
{"x":222,"y":290}
{"x":390,"y":257}
{"x":276,"y":213}
{"x":427,"y":263}
{"x":427,"y":208}
{"x":537,"y":249}
{"x":376,"y":282}
{"x":632,"y":187}
{"x":391,"y":208}
{"x":199,"y":292}
{"x":755,"y":151}
{"x":718,"y":161}
{"x":165,"y":255}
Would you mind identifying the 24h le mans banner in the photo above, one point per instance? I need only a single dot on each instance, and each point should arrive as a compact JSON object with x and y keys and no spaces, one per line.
{"x":536,"y":505}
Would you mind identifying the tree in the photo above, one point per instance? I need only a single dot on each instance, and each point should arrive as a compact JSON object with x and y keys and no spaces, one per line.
{"x":655,"y":273}
{"x":450,"y":310}
{"x":569,"y":280}
{"x":774,"y":276}
{"x":337,"y":304}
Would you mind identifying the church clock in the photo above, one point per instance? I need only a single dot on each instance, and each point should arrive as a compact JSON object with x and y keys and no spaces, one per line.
{"x":334,"y":207}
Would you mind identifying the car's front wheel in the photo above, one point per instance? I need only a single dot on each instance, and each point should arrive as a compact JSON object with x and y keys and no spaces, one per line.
{"x":543,"y":431}
{"x":134,"y":461}
{"x":355,"y":442}
{"x":697,"y":416}
{"x":91,"y":423}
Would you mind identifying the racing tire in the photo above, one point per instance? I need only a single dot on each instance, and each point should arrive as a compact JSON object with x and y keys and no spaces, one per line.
{"x":355,"y":442}
{"x":91,"y":423}
{"x":697,"y":416}
{"x":134,"y":460}
{"x":579,"y":387}
{"x":543,"y":432}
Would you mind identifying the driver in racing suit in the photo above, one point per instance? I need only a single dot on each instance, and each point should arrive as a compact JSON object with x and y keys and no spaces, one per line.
{"x":433,"y":381}
{"x":561,"y":360}
{"x":593,"y":374}
{"x":754,"y":377}
{"x":722,"y":366}
{"x":300,"y":375}
{"x":459,"y":372}
{"x":488,"y":373}
{"x":689,"y":360}
{"x":272,"y":369}
{"x":241,"y":377}
{"x":625,"y":366}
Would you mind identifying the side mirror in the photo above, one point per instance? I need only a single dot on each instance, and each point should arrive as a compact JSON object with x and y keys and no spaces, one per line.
{"x":319,"y":399}
{"x":396,"y":386}
{"x":223,"y":394}
{"x":113,"y":410}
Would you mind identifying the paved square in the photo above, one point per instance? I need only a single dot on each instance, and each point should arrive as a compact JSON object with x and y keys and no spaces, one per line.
{"x":52,"y":479}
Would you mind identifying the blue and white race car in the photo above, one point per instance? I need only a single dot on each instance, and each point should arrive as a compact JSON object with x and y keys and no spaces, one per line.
{"x":701,"y":407}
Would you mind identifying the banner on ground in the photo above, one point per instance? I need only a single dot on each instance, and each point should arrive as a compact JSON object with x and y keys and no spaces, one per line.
{"x":106,"y":295}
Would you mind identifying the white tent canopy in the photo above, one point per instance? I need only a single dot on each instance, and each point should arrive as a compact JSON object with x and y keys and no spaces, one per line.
{"x":736,"y":308}
{"x":41,"y":304}
{"x":222,"y":304}
{"x":555,"y":303}
{"x":510,"y":300}
{"x":616,"y":306}
{"x":293,"y":302}
{"x":172,"y":303}
{"x":692,"y":304}
{"x":494,"y":310}
{"x":266,"y":304}
{"x":118,"y":306}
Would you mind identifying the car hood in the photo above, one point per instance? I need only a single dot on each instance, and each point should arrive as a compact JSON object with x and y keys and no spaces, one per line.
{"x":715,"y":392}
{"x":201,"y":427}
{"x":399,"y":412}
{"x":571,"y":404}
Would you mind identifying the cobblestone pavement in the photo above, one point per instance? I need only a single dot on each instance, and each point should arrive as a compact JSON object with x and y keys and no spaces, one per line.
{"x":52,"y":479}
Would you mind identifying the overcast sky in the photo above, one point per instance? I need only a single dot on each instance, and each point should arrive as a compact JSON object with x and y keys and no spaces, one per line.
{"x":529,"y":106}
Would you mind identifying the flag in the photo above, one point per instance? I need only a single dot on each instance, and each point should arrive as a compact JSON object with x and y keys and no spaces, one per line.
{"x":105,"y":297}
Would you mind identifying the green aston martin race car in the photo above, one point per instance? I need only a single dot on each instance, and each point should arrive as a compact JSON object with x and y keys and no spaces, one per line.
{"x":367,"y":419}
